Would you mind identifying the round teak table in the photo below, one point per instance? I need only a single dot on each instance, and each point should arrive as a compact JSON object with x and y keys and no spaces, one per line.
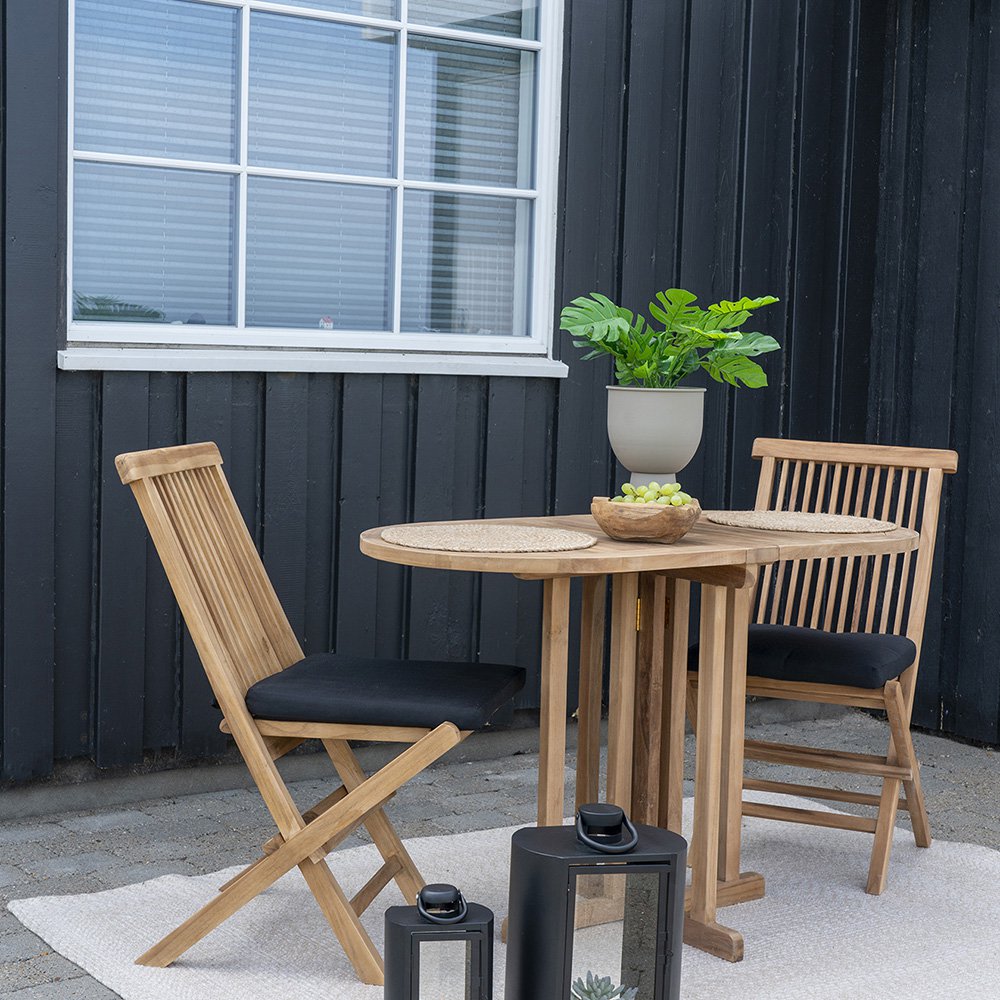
{"x":650,"y":595}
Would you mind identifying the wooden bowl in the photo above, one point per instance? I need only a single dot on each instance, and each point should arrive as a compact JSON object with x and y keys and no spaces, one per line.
{"x":647,"y":522}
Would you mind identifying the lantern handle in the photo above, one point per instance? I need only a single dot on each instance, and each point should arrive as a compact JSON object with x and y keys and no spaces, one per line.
{"x":623,"y":848}
{"x":437,"y":918}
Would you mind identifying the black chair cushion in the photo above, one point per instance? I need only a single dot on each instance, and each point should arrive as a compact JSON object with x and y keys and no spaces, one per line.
{"x":857,"y":659}
{"x":331,"y":687}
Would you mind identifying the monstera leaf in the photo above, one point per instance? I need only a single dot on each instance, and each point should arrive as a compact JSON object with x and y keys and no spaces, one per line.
{"x":674,"y":308}
{"x":731,"y":362}
{"x":595,"y":319}
{"x":742,"y":305}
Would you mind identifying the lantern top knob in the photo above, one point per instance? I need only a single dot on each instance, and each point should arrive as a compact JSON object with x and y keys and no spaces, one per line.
{"x":602,"y":816}
{"x":441,"y":904}
{"x":605,"y":828}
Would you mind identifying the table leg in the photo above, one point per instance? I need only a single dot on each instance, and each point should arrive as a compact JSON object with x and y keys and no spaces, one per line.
{"x":588,"y":752}
{"x":737,"y":886}
{"x":648,"y":699}
{"x":552,"y":734}
{"x":621,"y":710}
{"x":604,"y":897}
{"x":675,"y":666}
{"x":701,"y":928}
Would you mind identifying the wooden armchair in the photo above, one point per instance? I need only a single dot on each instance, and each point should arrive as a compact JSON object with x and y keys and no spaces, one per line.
{"x":272,"y":698}
{"x":847,"y":631}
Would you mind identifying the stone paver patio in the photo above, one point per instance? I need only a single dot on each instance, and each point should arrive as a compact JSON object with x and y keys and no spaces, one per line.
{"x":193,"y":834}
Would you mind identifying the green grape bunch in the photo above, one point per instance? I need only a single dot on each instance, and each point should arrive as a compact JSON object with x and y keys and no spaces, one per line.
{"x":600,"y":989}
{"x":667,"y":495}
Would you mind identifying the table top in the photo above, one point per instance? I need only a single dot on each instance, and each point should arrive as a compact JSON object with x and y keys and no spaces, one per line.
{"x":705,"y":545}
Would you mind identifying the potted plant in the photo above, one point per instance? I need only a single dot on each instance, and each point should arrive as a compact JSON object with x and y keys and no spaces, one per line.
{"x":602,"y":988}
{"x":654,"y":423}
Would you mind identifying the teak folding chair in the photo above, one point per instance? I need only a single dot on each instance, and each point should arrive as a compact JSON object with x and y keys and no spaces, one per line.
{"x":848,"y":630}
{"x":272,"y":698}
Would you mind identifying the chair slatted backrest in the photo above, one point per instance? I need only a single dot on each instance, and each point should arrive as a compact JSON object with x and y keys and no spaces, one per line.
{"x":887,"y":593}
{"x":238,"y":626}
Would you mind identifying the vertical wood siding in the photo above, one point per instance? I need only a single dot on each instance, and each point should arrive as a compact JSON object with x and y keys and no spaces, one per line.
{"x":936,"y":328}
{"x":833,"y":154}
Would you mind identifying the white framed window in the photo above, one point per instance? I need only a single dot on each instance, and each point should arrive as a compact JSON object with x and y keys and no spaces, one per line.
{"x":324,"y":185}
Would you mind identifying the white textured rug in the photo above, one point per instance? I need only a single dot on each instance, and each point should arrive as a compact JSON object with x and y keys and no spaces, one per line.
{"x":934,"y":934}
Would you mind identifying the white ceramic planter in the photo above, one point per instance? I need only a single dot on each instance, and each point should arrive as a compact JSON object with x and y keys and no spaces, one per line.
{"x":655,"y":432}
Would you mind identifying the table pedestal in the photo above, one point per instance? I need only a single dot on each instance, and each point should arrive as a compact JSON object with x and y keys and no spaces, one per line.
{"x":648,"y":695}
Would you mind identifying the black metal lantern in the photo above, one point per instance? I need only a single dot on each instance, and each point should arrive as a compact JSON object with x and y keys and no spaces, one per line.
{"x":596,"y":912}
{"x":440,"y":949}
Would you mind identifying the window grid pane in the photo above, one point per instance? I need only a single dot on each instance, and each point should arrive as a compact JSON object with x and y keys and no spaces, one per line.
{"x":153,"y":245}
{"x":156,"y":79}
{"x":385,"y":9}
{"x":465,"y":264}
{"x":465,"y":260}
{"x":317,"y":255}
{"x":467,"y":108}
{"x":515,"y":18}
{"x":322,"y":96}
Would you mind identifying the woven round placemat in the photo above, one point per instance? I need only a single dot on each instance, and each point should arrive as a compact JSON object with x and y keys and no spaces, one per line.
{"x":487,"y":538}
{"x":795,"y":520}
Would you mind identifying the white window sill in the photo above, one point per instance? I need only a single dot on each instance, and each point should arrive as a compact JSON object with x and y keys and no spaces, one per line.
{"x":150,"y":359}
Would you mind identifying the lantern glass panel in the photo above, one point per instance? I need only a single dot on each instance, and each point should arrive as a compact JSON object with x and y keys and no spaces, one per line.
{"x":615,"y":922}
{"x":446,"y":970}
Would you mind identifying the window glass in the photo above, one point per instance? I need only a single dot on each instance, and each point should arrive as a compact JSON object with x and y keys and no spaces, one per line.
{"x":465,"y":264}
{"x":157,"y":79}
{"x":622,"y":948}
{"x":152,"y":245}
{"x":322,"y":96}
{"x":446,"y":970}
{"x":318,"y":255}
{"x":468,"y":113}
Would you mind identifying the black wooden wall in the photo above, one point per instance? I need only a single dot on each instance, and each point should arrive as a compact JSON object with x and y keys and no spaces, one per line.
{"x":936,"y":326}
{"x":813,"y":149}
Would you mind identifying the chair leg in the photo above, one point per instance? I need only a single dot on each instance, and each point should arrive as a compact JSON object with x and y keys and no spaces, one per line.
{"x":296,"y":851}
{"x":383,"y":833}
{"x":878,"y":869}
{"x":344,"y":922}
{"x":691,"y":702}
{"x":895,"y":706}
{"x":885,"y":825}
